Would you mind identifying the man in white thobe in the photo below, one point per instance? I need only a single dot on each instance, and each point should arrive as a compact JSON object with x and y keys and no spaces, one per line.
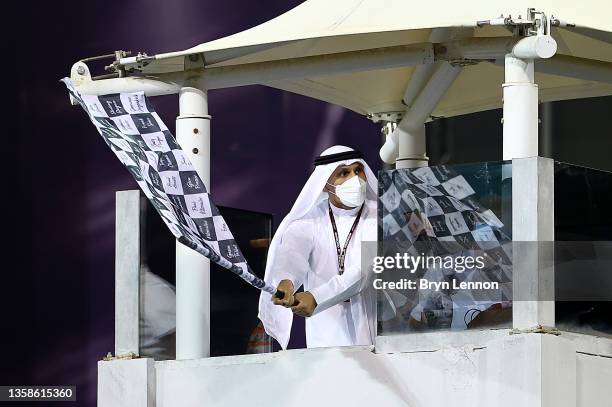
{"x":318,"y":245}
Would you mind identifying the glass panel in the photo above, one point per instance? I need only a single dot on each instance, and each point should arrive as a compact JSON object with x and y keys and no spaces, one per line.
{"x":235,"y":328}
{"x":157,"y":286}
{"x":583,"y":230}
{"x":445,"y":240}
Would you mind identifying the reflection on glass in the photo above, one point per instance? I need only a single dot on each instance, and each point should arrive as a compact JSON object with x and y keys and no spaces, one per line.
{"x":157,"y":316}
{"x":448,"y":231}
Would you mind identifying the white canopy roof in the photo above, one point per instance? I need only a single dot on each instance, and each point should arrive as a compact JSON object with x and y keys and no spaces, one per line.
{"x":322,"y":27}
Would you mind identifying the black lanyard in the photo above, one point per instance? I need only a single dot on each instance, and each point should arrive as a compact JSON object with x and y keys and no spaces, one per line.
{"x":342,"y":252}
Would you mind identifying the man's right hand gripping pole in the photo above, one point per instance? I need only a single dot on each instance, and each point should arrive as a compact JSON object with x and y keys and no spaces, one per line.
{"x":284,"y":294}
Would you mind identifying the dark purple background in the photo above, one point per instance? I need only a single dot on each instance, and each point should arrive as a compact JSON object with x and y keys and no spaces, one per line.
{"x":60,"y":178}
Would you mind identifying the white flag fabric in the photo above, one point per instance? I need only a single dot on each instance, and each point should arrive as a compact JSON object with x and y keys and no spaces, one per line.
{"x":136,"y":134}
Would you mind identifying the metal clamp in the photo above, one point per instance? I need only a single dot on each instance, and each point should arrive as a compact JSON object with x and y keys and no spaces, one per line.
{"x":122,"y":65}
{"x":535,"y":23}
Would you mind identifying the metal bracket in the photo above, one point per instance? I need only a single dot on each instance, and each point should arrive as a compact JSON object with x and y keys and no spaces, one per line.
{"x":535,"y":23}
{"x":393,"y":117}
{"x":461,"y":62}
{"x":386,"y":128}
{"x":194,"y":61}
{"x":116,"y":69}
{"x":127,"y":64}
{"x":81,"y":72}
{"x":122,"y":65}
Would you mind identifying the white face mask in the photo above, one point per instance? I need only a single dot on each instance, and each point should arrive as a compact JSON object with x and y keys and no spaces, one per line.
{"x":352,"y":192}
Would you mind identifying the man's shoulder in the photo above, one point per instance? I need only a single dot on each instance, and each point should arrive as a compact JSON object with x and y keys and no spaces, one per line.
{"x":301,"y":225}
{"x":316,"y":212}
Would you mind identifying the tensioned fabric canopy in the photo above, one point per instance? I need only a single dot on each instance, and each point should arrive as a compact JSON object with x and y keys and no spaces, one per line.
{"x":323,"y":27}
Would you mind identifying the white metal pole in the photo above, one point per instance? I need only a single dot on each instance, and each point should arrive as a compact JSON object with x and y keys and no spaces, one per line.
{"x":520,"y":95}
{"x":193,"y":269}
{"x":532,"y":185}
{"x":406,"y":145}
{"x":412,"y":149}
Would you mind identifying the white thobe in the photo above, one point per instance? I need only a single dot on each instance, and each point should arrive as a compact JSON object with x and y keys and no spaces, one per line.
{"x":307,"y":255}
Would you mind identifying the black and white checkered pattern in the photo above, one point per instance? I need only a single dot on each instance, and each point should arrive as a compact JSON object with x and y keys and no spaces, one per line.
{"x":136,"y":134}
{"x":433,"y":203}
{"x":432,"y":210}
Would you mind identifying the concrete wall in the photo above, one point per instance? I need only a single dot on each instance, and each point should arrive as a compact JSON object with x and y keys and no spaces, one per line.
{"x":513,"y":370}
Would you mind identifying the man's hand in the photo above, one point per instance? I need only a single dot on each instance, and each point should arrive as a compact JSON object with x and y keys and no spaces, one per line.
{"x":285,"y":286}
{"x":306,"y":304}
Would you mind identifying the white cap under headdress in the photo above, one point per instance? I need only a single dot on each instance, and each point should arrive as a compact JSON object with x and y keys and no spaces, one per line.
{"x":277,"y":319}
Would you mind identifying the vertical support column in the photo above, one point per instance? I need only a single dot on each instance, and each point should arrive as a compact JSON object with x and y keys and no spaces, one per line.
{"x":520,"y":96}
{"x":127,"y":383}
{"x":532,"y":187}
{"x":193,"y":269}
{"x":127,"y":272}
{"x":533,"y":223}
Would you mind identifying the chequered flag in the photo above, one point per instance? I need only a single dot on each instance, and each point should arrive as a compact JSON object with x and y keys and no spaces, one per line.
{"x":132,"y":129}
